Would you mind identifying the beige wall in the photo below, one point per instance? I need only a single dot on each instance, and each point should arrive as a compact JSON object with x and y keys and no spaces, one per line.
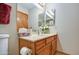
{"x":67,"y":24}
{"x":11,"y":29}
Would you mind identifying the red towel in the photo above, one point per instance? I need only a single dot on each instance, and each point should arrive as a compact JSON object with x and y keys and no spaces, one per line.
{"x":4,"y":13}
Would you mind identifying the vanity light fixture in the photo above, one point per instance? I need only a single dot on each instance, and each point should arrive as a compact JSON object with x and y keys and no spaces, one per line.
{"x":38,"y":6}
{"x":41,"y":6}
{"x":47,"y":13}
{"x":51,"y":12}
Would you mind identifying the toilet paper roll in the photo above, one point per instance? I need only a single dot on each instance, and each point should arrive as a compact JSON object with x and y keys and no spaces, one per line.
{"x":25,"y":51}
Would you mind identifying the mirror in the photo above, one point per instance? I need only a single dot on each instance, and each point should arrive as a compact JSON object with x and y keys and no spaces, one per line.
{"x":46,"y":19}
{"x":40,"y":17}
{"x":32,"y":11}
{"x":50,"y":18}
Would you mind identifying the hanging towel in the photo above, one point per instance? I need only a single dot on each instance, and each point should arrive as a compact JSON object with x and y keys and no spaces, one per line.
{"x":4,"y":13}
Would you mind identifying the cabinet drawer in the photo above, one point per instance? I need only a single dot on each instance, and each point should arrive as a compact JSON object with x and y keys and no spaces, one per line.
{"x":46,"y":50}
{"x":50,"y":39}
{"x":40,"y":44}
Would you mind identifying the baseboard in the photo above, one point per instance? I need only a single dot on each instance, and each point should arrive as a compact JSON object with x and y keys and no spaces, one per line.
{"x":63,"y":52}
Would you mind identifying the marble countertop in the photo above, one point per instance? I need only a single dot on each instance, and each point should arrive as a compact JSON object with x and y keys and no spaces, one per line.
{"x":36,"y":37}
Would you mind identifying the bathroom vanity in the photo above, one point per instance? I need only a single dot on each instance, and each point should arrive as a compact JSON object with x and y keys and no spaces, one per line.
{"x":42,"y":21}
{"x":44,"y":44}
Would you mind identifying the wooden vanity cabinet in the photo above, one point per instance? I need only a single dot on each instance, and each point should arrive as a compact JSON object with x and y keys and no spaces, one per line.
{"x":46,"y":46}
{"x":39,"y":44}
{"x":46,"y":50}
{"x":54,"y":46}
{"x":24,"y":43}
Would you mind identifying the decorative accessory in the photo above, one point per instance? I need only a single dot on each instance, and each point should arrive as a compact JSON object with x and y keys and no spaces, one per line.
{"x":4,"y":13}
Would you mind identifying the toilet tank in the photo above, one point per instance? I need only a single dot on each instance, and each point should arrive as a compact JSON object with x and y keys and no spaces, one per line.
{"x":4,"y":44}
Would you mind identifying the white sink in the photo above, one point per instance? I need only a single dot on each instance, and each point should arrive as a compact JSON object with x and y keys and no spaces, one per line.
{"x":2,"y":36}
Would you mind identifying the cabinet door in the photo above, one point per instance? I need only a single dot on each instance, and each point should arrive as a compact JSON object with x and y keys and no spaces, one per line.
{"x":45,"y":50}
{"x":40,"y":44}
{"x":50,"y":39}
{"x":24,"y":43}
{"x":54,"y":46}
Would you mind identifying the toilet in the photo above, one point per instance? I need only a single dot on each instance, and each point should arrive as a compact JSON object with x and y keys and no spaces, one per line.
{"x":4,"y":44}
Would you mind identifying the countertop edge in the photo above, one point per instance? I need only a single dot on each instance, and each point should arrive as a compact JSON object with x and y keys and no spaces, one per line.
{"x":32,"y":40}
